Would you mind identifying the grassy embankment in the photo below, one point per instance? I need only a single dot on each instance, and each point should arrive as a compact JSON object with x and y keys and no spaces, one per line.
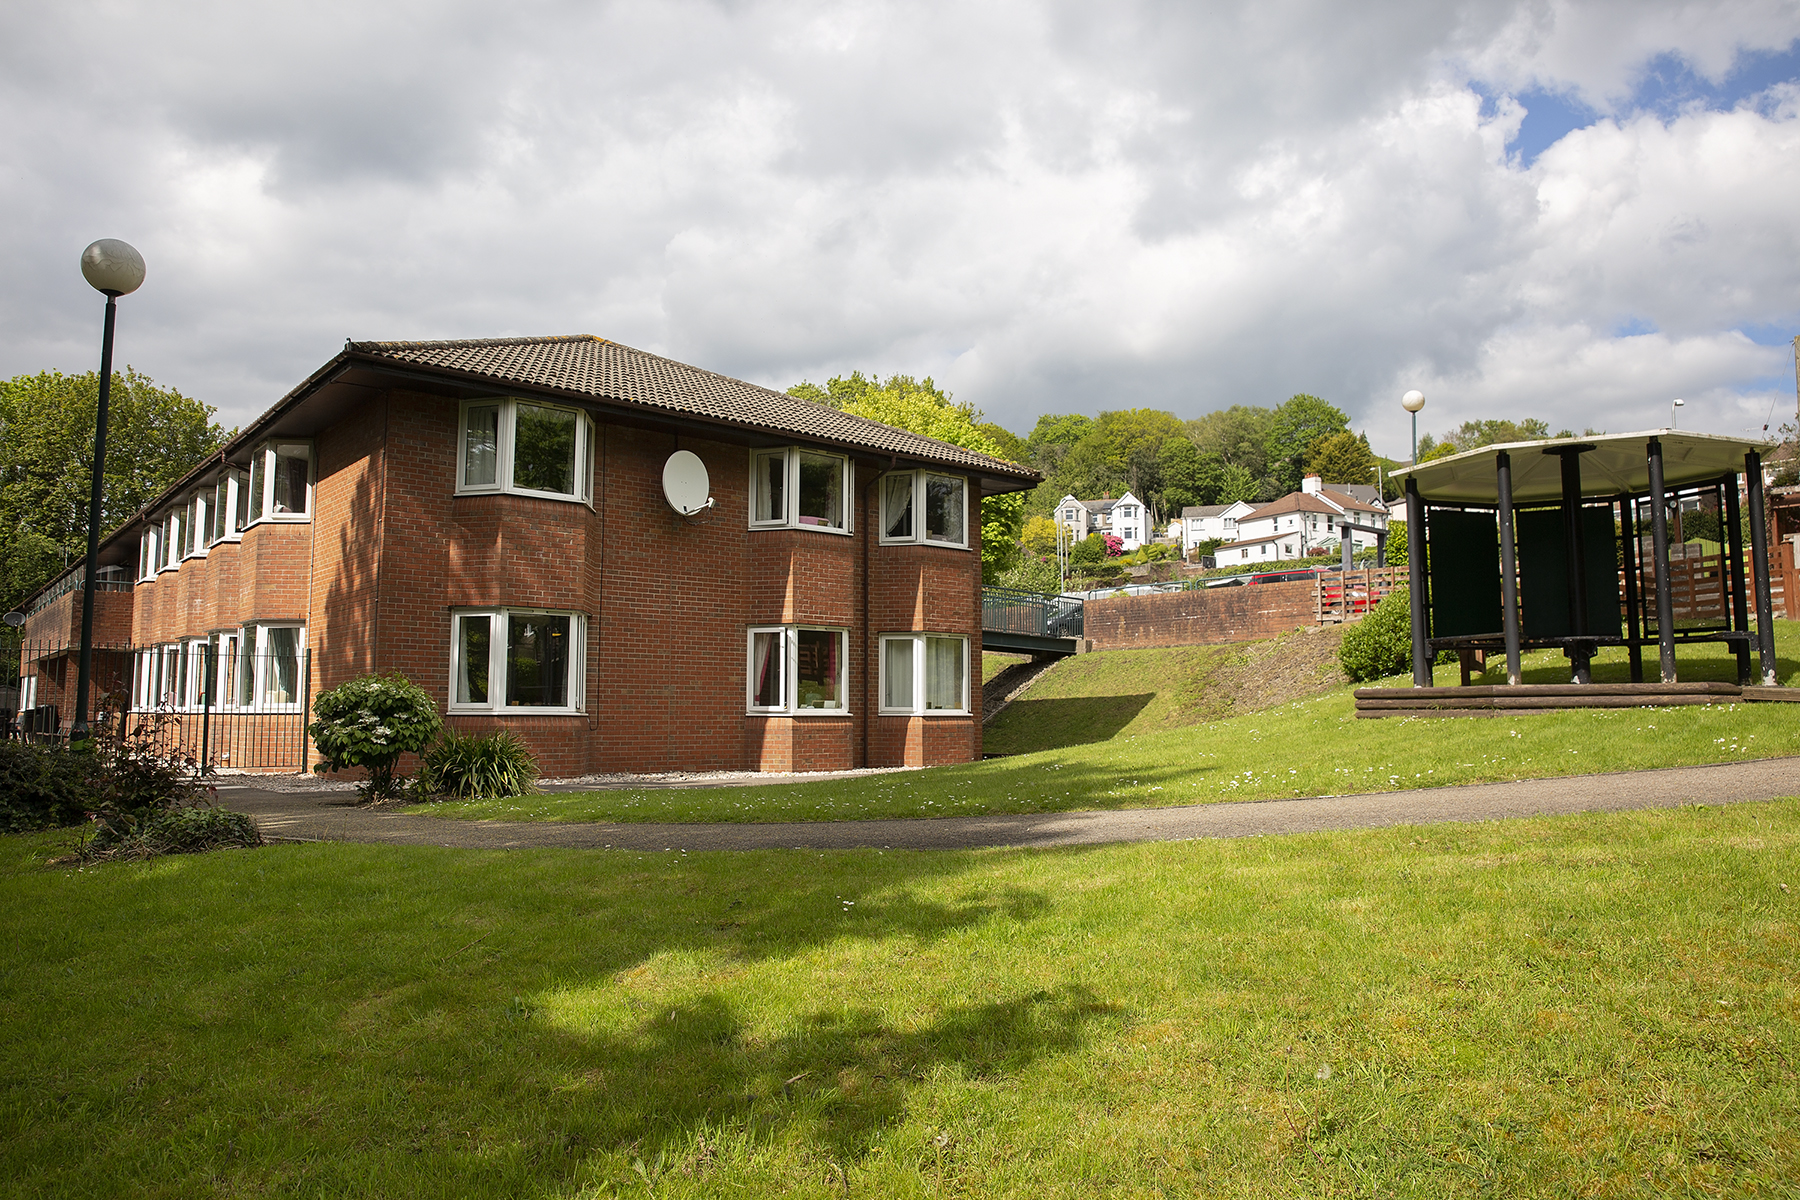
{"x":1602,"y":1005}
{"x":1149,"y":728}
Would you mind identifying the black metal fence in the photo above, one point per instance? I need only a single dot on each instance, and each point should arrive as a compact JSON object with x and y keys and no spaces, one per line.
{"x":207,"y":701}
{"x":1011,"y":610}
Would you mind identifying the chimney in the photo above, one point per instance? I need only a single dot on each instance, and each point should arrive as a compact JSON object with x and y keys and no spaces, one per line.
{"x":1311,"y":484}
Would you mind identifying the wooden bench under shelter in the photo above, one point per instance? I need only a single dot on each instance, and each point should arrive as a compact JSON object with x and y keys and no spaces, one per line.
{"x":1564,"y":543}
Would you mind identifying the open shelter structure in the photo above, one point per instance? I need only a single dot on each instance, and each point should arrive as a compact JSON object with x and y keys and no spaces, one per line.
{"x":1565,"y":543}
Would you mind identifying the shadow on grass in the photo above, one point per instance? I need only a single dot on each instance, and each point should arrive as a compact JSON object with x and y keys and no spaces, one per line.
{"x":1029,"y":725}
{"x":1704,"y":662}
{"x":836,"y":1079}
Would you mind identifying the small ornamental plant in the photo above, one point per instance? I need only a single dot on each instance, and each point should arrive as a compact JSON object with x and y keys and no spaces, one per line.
{"x":369,"y":723}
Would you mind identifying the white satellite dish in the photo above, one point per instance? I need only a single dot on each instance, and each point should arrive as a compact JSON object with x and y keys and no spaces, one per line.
{"x":686,"y":486}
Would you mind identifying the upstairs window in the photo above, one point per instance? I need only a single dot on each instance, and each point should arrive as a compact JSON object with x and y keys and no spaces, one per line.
{"x":797,"y":670}
{"x":923,"y":506}
{"x":523,"y":446}
{"x":924,"y":673}
{"x":280,"y":482}
{"x":228,"y":506}
{"x":198,"y":520}
{"x":803,"y":489}
{"x":171,"y":540}
{"x":512,"y":659}
{"x":149,"y":552}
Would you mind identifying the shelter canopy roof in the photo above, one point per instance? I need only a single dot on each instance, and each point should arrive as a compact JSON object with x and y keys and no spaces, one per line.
{"x":1618,"y":463}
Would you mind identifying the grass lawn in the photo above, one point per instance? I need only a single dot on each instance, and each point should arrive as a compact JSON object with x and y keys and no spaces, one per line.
{"x":1601,"y":1005}
{"x":1145,"y":728}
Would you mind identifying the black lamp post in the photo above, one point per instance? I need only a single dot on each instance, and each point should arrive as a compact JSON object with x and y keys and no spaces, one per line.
{"x":115,"y":269}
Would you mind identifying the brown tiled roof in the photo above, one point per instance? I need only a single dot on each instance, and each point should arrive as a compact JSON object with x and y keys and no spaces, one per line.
{"x":1348,"y":502}
{"x":585,"y":365}
{"x":1292,"y":502}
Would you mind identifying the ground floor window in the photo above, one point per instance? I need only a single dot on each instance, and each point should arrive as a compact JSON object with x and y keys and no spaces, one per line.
{"x":254,"y":669}
{"x":797,"y":669}
{"x":924,"y":673}
{"x":511,"y":658}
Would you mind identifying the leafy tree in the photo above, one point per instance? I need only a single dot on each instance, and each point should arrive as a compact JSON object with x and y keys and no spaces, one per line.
{"x":1089,"y":552}
{"x":1012,"y":446}
{"x":154,"y":436}
{"x":1343,"y":458}
{"x":1299,"y":424}
{"x":1396,"y":544}
{"x":1189,"y":476}
{"x":1238,"y":436}
{"x":920,"y":406}
{"x":1475,"y":434}
{"x":1053,"y":437}
{"x":1237,"y":483}
{"x":1039,"y":537}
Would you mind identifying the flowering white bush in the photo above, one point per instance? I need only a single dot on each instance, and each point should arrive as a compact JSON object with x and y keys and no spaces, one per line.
{"x":370,"y":722}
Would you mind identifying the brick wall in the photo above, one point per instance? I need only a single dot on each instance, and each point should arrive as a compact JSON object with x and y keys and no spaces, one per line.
{"x":1202,"y":617}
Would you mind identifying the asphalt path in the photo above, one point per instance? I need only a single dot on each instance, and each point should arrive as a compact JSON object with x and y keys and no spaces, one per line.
{"x":333,"y":816}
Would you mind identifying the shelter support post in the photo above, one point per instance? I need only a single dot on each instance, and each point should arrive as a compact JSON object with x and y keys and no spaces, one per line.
{"x":1759,"y":565}
{"x":1734,"y":554}
{"x":1659,"y":553}
{"x":1415,"y":577}
{"x":1348,"y":547}
{"x":1509,"y":573}
{"x":1634,"y":623}
{"x":1575,"y":550}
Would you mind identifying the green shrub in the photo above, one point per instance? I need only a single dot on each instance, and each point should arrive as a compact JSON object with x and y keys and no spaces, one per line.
{"x":370,"y":722}
{"x":473,"y":767}
{"x":191,"y":829}
{"x":1381,"y":643}
{"x":43,"y":787}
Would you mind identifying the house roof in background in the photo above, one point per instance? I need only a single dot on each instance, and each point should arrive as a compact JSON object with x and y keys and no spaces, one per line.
{"x":1195,"y":511}
{"x":585,"y":365}
{"x":1292,"y":502}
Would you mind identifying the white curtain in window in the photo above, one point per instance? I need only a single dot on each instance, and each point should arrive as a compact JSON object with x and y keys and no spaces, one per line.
{"x":771,"y":478}
{"x":281,"y":665}
{"x":897,"y":673}
{"x":765,"y":670}
{"x":481,"y":446}
{"x":897,"y":497}
{"x":943,"y":673}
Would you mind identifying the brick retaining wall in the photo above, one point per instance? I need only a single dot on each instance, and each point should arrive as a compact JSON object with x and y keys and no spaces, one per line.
{"x":1213,"y":616}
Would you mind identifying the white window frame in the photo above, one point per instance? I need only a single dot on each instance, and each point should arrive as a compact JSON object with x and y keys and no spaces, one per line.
{"x":27,"y":692}
{"x":223,"y":523}
{"x":150,"y":553}
{"x":790,"y":517}
{"x":919,"y":706}
{"x":265,"y":455}
{"x":256,"y":635}
{"x":503,"y":453}
{"x":918,"y":537}
{"x":789,"y":705}
{"x":499,"y":631}
{"x":169,"y":544}
{"x":198,"y":512}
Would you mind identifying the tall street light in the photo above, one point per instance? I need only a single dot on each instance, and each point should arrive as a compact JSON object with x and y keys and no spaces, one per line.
{"x":1679,"y":403}
{"x":114,"y":269}
{"x":1412,"y":402}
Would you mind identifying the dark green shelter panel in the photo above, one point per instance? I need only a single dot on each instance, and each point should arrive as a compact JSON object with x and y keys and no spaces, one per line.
{"x":1465,"y":572}
{"x":1544,"y":572}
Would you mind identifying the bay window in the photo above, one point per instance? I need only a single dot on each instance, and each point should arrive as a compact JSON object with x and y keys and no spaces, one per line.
{"x":924,"y":673}
{"x":280,"y":486}
{"x":924,"y":506}
{"x":792,"y":488}
{"x":522,"y":446}
{"x":506,"y":659}
{"x":228,"y":508}
{"x":797,"y":669}
{"x":171,"y":540}
{"x":150,"y":552}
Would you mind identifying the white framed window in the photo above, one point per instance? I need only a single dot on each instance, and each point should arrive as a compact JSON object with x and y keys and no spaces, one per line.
{"x":527,"y":447}
{"x":228,"y":507}
{"x":169,"y":544}
{"x":512,"y":659}
{"x":27,"y":692}
{"x":197,"y":520}
{"x":794,"y":488}
{"x":280,"y":484}
{"x":268,"y":668}
{"x":924,"y":506}
{"x":797,"y":670}
{"x":149,"y":552}
{"x":924,"y":673}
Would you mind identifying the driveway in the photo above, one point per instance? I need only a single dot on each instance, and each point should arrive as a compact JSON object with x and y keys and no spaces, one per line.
{"x":332,"y":816}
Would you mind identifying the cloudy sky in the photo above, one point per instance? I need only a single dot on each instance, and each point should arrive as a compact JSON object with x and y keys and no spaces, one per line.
{"x":1575,"y":211}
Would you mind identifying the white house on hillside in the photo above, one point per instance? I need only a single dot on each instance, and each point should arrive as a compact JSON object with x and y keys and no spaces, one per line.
{"x":1313,"y":517}
{"x":1207,"y":522}
{"x":1125,"y":518}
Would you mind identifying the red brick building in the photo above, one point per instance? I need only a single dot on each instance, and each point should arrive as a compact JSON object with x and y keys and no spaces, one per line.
{"x":490,"y":519}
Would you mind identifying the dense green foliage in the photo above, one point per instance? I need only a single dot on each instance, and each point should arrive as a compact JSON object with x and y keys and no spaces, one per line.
{"x":476,"y":767}
{"x":1381,"y":643}
{"x":42,"y":787}
{"x":920,"y":406}
{"x":154,"y":435}
{"x":1396,"y":544}
{"x":1343,"y":458}
{"x":370,"y":722}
